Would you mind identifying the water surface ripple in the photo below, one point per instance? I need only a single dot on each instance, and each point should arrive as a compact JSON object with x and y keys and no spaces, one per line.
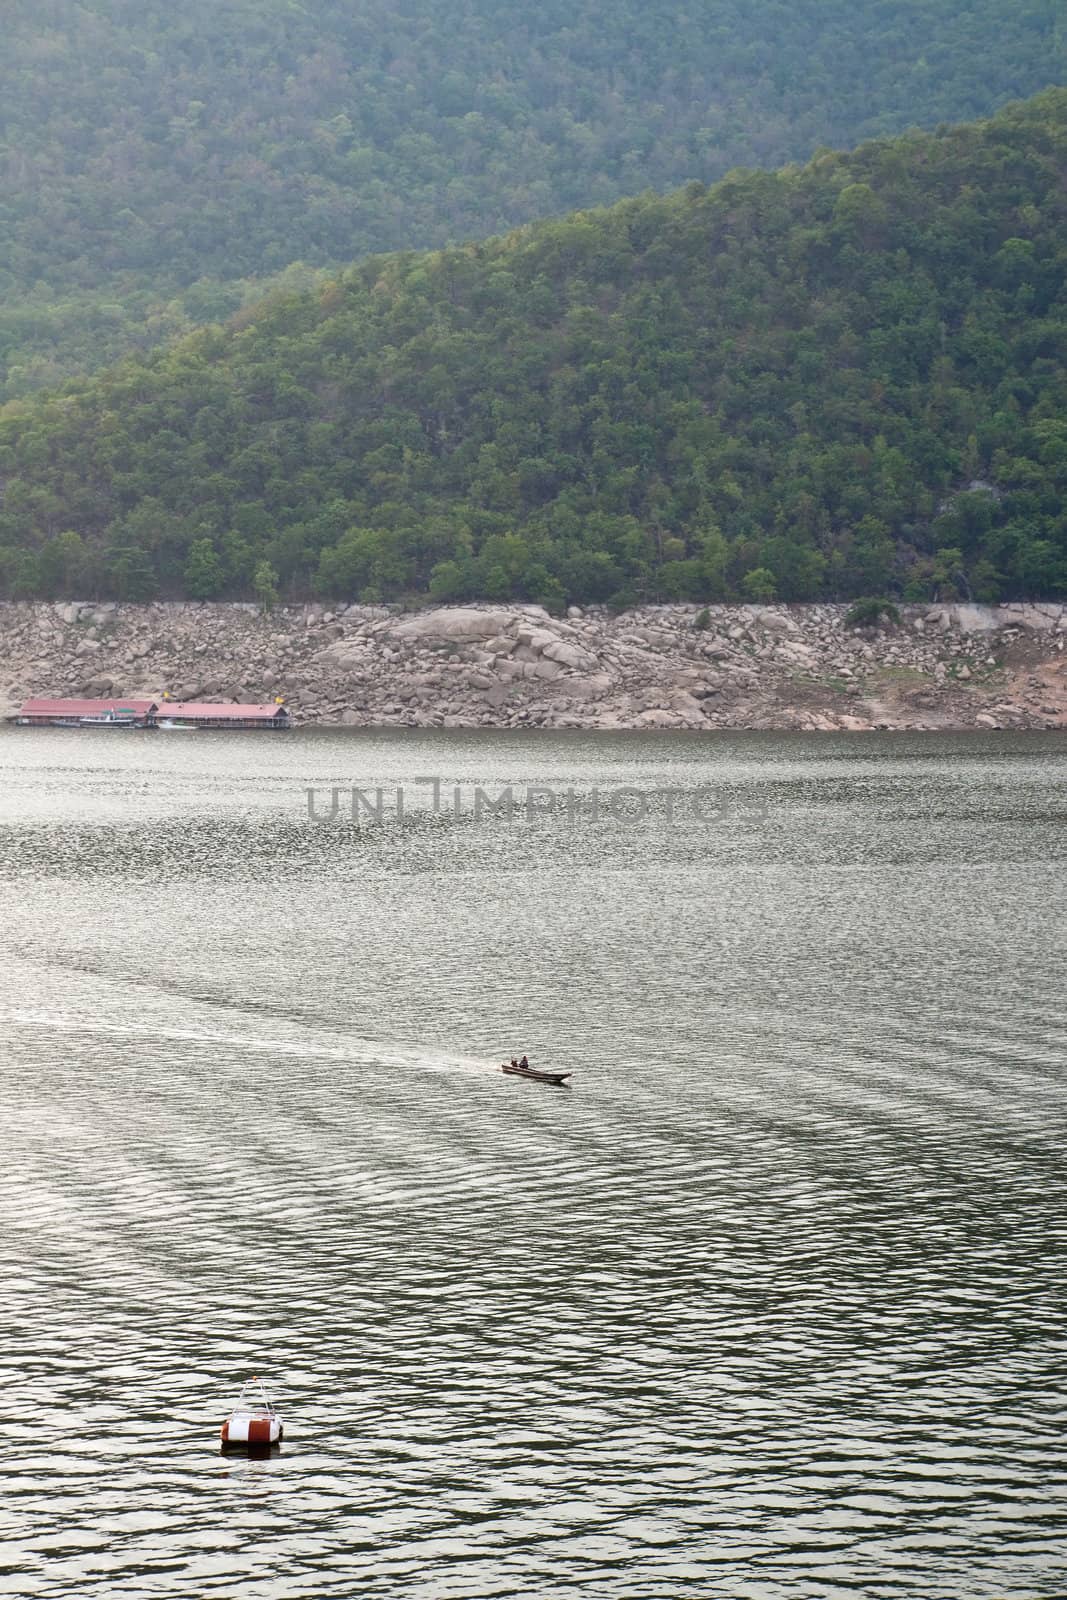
{"x":771,"y":1305}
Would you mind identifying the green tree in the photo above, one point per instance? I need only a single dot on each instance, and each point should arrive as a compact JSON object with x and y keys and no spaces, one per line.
{"x":871,"y":612}
{"x":448,"y":581}
{"x":759,"y":585}
{"x":27,"y":580}
{"x":265,"y":587}
{"x":947,"y":574}
{"x":63,"y":564}
{"x":205,"y":576}
{"x":127,"y":573}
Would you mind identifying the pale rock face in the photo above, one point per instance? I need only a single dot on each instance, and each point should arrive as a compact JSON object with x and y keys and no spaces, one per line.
{"x":660,"y":717}
{"x":800,"y":653}
{"x":593,"y":687}
{"x":534,"y":639}
{"x":1037,"y":617}
{"x":774,"y":621}
{"x":570,"y":655}
{"x":452,"y":623}
{"x":339,"y":649}
{"x":975,"y":619}
{"x":687,"y":704}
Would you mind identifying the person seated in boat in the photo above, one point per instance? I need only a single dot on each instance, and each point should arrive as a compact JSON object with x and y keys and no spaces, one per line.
{"x":514,"y":1063}
{"x":524,"y":1063}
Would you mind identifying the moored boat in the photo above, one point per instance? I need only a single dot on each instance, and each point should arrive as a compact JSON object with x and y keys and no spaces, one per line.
{"x":558,"y":1078}
{"x":253,"y":1421}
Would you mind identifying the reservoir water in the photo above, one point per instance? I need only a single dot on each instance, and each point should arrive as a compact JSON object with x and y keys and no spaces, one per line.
{"x":770,"y":1305}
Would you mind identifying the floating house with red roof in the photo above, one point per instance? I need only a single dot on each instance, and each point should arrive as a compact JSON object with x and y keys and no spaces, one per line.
{"x":140,"y":713}
{"x":45,"y":713}
{"x":216,"y":714}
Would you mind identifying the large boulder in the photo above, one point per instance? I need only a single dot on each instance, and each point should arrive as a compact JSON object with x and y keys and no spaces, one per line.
{"x":594,"y":687}
{"x":773,"y":621}
{"x":976,"y":619}
{"x":687,"y":705}
{"x":797,"y":654}
{"x":660,"y":717}
{"x":570,"y":655}
{"x":1039,"y":617}
{"x":452,"y":622}
{"x":344,"y":655}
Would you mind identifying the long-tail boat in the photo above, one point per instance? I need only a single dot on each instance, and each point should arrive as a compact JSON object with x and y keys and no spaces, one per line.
{"x":558,"y":1078}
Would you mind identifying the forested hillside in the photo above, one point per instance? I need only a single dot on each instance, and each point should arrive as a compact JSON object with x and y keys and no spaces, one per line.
{"x":157,"y":156}
{"x":847,"y":378}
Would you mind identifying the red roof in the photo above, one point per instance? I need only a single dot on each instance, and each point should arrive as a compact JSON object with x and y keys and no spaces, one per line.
{"x":216,"y":709}
{"x":84,"y":708}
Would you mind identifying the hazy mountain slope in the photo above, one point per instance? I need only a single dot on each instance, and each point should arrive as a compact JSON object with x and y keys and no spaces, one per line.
{"x":777,"y":385}
{"x":152,"y":153}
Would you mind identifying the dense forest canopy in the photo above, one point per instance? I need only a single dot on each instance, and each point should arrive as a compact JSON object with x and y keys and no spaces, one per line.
{"x":155,"y":157}
{"x":842,"y":379}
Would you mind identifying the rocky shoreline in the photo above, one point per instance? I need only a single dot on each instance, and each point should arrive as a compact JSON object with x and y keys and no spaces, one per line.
{"x":774,"y":667}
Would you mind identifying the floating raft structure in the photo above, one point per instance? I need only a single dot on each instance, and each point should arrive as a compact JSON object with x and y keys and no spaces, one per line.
{"x":217,"y":714}
{"x":45,"y":713}
{"x":253,"y":1421}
